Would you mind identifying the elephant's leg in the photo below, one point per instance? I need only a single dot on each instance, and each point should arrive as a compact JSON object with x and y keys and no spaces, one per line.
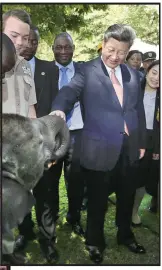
{"x":16,"y":203}
{"x":8,"y":241}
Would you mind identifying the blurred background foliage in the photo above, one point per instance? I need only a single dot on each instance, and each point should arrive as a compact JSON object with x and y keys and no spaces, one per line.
{"x":87,"y":22}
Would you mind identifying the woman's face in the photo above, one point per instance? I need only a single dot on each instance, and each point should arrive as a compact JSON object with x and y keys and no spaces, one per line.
{"x":152,"y":77}
{"x":135,"y":61}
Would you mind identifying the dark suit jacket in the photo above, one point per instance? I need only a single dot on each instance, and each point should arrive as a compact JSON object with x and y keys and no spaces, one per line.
{"x":102,"y":137}
{"x":77,"y":66}
{"x":46,"y":83}
{"x":156,"y":123}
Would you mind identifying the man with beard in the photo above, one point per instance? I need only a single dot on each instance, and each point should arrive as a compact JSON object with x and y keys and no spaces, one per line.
{"x":18,"y":92}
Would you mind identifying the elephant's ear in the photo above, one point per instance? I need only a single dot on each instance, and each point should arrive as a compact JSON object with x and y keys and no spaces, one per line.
{"x":57,"y":129}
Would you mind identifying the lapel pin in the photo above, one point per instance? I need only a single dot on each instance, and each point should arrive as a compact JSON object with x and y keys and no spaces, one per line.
{"x":43,"y":73}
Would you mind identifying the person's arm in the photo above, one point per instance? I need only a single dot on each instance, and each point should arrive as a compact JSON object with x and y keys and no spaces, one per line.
{"x":141,"y":121}
{"x":68,"y":95}
{"x":32,"y":112}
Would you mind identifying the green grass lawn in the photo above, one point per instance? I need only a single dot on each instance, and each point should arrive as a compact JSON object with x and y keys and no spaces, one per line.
{"x":72,"y":250}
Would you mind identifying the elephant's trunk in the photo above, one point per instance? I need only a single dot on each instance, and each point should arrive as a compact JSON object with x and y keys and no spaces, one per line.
{"x":60,"y":133}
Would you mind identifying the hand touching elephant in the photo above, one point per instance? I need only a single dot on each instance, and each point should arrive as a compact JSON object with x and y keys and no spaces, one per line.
{"x":28,"y":146}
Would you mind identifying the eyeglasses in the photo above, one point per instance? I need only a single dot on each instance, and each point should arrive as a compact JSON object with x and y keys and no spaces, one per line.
{"x":119,"y":53}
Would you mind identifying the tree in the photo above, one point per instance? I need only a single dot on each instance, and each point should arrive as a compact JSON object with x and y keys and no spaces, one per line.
{"x":87,"y":23}
{"x":54,"y":18}
{"x":143,"y":18}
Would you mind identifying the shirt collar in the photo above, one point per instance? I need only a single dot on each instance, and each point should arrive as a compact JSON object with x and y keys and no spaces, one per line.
{"x":32,"y":61}
{"x":152,"y":94}
{"x":69,"y":66}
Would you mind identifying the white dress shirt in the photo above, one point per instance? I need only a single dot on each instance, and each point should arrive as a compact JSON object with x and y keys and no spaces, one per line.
{"x":32,"y":64}
{"x":76,"y":121}
{"x":149,"y":106}
{"x":118,"y":73}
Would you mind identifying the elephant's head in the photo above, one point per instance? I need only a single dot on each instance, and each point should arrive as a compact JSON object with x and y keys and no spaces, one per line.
{"x":28,"y":145}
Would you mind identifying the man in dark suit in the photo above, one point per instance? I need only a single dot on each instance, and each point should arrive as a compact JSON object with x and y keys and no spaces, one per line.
{"x":63,"y":49}
{"x":45,"y":75}
{"x":113,"y":136}
{"x":46,"y":83}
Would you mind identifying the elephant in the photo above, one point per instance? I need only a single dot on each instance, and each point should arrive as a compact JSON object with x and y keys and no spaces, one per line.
{"x":29,"y":146}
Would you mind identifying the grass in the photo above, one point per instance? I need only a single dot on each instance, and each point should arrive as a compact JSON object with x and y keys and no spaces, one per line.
{"x":72,"y":250}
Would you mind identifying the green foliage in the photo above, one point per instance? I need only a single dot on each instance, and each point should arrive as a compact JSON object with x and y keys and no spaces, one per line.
{"x":144,"y":19}
{"x":147,"y":27}
{"x":87,"y":23}
{"x":55,"y":18}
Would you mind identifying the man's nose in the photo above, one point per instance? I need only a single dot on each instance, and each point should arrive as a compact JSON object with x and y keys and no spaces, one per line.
{"x":157,"y":77}
{"x":115,"y":55}
{"x":63,"y":50}
{"x":19,"y":41}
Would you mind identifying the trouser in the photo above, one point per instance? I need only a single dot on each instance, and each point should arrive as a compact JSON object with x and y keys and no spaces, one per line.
{"x":16,"y":203}
{"x":46,"y":207}
{"x":98,"y":185}
{"x":46,"y":192}
{"x":149,"y":169}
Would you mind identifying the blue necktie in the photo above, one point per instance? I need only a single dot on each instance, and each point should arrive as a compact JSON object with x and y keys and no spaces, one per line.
{"x":64,"y":78}
{"x":64,"y":81}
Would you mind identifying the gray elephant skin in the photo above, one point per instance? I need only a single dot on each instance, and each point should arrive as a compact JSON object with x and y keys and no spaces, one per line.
{"x":28,"y":146}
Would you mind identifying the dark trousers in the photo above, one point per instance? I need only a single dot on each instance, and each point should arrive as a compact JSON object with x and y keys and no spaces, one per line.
{"x":46,"y":193}
{"x":149,"y":169}
{"x":46,"y":207}
{"x":98,"y":184}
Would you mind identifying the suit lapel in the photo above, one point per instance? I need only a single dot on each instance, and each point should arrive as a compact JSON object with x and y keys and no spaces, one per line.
{"x":126,"y":83}
{"x":103,"y":76}
{"x":39,"y":78}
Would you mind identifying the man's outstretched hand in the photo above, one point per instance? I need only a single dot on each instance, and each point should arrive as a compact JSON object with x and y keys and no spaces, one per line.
{"x":58,"y":113}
